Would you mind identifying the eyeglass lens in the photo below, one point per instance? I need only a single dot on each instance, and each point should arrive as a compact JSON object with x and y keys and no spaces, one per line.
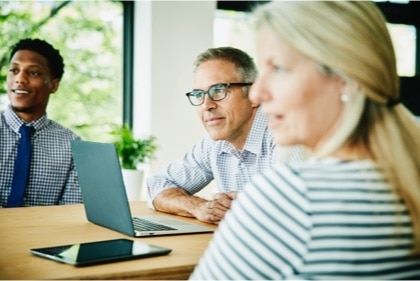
{"x":215,"y":92}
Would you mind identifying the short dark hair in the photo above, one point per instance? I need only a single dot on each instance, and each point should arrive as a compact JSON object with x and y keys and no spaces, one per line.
{"x":54,"y":59}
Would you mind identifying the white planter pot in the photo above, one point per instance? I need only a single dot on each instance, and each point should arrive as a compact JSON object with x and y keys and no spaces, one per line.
{"x":133,"y":181}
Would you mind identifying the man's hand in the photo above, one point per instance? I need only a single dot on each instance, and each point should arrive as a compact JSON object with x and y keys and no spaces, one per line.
{"x":214,"y":211}
{"x":177,"y":201}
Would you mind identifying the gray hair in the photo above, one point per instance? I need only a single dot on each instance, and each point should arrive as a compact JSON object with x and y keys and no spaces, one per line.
{"x":243,"y":62}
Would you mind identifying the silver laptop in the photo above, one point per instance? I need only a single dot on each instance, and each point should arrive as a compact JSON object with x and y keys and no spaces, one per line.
{"x":105,"y":199}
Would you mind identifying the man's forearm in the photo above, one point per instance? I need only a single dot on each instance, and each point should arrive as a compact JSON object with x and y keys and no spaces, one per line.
{"x":177,"y":201}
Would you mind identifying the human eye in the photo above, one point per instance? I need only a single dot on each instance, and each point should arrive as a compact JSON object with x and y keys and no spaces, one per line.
{"x":217,"y":91}
{"x":279,"y":68}
{"x":13,"y":70}
{"x":197,"y":94}
{"x":34,"y":73}
{"x":276,"y":66}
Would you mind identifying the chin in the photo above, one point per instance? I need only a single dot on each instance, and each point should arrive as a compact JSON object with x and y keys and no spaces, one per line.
{"x":18,"y":107}
{"x":216,"y":137}
{"x":281,"y":140}
{"x":216,"y":134}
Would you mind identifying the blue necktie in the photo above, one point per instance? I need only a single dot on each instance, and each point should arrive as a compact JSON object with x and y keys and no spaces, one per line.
{"x":21,"y":169}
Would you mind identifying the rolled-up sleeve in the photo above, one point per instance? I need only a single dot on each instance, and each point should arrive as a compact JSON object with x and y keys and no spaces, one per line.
{"x":192,"y":172}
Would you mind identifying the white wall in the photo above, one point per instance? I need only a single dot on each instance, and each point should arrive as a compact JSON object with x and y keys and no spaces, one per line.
{"x":168,"y":37}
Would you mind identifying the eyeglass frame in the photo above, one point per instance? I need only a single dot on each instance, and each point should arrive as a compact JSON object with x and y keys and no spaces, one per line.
{"x":226,"y":85}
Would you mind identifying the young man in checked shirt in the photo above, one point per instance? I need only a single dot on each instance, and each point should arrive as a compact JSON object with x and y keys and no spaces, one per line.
{"x":34,"y":73}
{"x":238,"y":144}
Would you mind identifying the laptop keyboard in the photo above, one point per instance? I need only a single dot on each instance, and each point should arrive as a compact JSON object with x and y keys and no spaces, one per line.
{"x":146,"y":225}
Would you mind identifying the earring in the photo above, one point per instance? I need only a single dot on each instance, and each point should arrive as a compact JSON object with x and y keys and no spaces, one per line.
{"x":344,"y":98}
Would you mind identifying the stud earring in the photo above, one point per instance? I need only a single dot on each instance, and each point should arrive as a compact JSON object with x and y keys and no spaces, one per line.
{"x":344,"y":98}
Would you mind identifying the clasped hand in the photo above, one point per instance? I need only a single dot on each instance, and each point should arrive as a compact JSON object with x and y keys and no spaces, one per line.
{"x":213,"y":211}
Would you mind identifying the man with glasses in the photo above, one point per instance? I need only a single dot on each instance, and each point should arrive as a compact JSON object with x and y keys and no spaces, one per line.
{"x":238,"y":144}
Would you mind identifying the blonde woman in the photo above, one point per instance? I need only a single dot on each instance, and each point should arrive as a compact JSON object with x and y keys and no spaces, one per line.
{"x":327,"y":81}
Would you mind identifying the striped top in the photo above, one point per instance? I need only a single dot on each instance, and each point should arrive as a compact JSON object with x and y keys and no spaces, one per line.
{"x":322,"y":219}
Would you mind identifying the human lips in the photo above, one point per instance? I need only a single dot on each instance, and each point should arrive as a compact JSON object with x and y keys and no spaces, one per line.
{"x":275,"y":121}
{"x":213,"y":120}
{"x":21,"y":92}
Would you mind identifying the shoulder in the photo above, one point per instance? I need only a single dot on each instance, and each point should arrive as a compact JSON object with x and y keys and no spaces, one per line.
{"x":330,"y":168}
{"x":203,"y":148}
{"x":53,"y":127}
{"x":329,"y":176}
{"x":333,"y":167}
{"x":298,"y":173}
{"x":280,"y":179}
{"x":296,"y":182}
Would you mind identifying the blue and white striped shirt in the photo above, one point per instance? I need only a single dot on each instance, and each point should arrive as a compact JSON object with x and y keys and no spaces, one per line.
{"x":220,"y":161}
{"x":325,"y":219}
{"x":52,"y":177}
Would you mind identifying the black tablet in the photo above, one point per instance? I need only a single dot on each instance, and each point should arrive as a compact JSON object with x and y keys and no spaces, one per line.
{"x":83,"y":254}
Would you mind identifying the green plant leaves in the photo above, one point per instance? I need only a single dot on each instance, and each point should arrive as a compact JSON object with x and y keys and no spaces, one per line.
{"x":133,"y":151}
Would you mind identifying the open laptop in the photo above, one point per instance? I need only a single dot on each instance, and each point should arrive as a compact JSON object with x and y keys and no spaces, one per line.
{"x":105,"y":199}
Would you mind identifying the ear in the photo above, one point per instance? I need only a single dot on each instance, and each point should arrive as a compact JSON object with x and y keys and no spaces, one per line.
{"x":338,"y":85}
{"x":54,"y":85}
{"x":347,"y":89}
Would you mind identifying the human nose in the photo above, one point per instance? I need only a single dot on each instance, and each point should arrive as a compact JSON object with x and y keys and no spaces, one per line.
{"x":258,"y":93}
{"x":208,"y":103}
{"x":20,"y":78}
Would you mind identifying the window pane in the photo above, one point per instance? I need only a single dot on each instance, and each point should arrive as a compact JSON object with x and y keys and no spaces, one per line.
{"x":232,"y":28}
{"x":88,"y":35}
{"x":404,"y":40}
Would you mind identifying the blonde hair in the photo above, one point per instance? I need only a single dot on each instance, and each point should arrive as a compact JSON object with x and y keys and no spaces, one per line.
{"x":351,"y":39}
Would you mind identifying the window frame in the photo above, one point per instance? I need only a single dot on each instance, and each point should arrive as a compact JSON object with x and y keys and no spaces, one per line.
{"x":128,"y":62}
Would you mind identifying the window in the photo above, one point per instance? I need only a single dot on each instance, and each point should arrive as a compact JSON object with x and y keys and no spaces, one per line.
{"x":89,"y":35}
{"x":232,"y":28}
{"x":404,"y":40}
{"x":232,"y":22}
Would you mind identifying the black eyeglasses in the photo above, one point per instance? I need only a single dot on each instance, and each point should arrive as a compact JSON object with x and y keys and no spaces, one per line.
{"x":215,"y":92}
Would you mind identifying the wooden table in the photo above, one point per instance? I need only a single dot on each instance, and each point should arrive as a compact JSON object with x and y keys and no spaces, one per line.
{"x":22,"y":229}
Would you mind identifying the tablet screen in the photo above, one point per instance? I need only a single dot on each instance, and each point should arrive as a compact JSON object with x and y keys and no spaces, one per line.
{"x":100,"y":252}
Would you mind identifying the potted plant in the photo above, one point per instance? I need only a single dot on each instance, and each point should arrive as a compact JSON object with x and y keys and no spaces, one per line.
{"x":133,"y":152}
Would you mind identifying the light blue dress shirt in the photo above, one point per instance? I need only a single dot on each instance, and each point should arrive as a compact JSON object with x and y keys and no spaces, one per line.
{"x":220,"y":161}
{"x":52,"y":177}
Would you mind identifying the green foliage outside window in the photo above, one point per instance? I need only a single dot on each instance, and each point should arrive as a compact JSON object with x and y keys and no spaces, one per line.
{"x":88,"y":35}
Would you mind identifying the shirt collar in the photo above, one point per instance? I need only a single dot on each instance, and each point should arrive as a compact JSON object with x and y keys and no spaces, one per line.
{"x":15,"y":122}
{"x":255,"y":136}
